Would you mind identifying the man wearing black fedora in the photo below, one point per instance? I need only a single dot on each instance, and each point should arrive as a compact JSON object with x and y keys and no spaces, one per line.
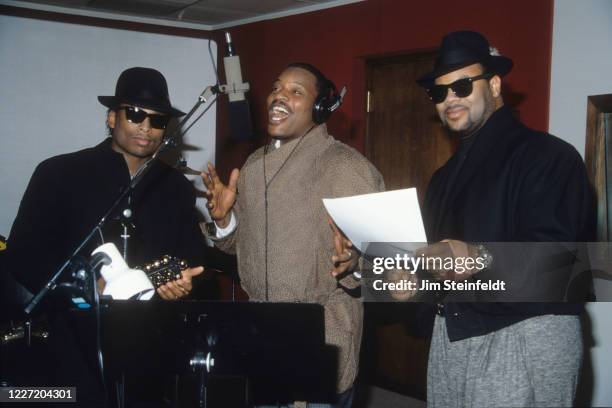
{"x":506,"y":183}
{"x":68,"y":194}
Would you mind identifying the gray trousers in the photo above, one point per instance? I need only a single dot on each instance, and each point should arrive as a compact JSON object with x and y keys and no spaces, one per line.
{"x":533,"y":363}
{"x":345,"y":400}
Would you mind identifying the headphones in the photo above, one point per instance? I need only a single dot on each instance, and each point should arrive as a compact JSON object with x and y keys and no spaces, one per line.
{"x":328,"y":100}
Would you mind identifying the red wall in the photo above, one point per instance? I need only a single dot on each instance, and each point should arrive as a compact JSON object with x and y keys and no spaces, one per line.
{"x":338,"y":40}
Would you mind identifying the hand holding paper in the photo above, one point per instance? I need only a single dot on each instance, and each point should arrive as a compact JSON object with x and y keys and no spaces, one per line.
{"x":344,"y":260}
{"x":397,"y":217}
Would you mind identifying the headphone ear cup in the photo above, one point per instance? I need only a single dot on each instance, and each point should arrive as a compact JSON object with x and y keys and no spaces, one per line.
{"x":323,"y":106}
{"x":321,"y":110}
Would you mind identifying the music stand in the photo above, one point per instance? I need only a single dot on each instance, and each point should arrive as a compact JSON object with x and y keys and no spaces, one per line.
{"x":278,"y":347}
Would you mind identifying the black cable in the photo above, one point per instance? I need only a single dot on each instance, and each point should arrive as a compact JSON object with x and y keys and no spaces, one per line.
{"x":212,"y":61}
{"x":99,"y":332}
{"x":288,"y":157}
{"x":96,"y":305}
{"x":266,"y":185}
{"x":266,"y":220}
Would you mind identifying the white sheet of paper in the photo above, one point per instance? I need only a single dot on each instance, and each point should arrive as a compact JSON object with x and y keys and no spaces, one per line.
{"x":391,"y":216}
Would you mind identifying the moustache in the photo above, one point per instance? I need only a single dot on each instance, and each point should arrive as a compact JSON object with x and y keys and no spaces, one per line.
{"x":280,"y":104}
{"x":455,"y":106}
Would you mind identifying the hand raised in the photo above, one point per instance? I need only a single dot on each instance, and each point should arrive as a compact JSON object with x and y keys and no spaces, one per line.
{"x":221,"y":197}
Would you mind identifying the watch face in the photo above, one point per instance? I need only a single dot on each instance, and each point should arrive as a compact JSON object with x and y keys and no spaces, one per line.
{"x":484,"y":253}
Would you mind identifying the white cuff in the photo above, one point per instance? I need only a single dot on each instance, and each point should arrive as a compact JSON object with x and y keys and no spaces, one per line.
{"x":224,"y":232}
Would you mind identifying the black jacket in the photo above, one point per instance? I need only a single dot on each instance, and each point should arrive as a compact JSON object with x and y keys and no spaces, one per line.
{"x":66,"y":197}
{"x":68,"y":194}
{"x":515,"y":185}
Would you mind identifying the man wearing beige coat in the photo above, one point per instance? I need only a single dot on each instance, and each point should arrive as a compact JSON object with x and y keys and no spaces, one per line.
{"x":272,"y":217}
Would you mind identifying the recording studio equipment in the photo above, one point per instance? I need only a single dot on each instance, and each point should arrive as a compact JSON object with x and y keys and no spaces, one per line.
{"x":241,"y":127}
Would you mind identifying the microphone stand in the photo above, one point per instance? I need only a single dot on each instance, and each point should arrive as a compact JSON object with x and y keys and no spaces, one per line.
{"x":169,"y":142}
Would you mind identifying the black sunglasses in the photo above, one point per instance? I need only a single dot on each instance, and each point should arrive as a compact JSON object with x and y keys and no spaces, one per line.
{"x":461,"y":88}
{"x":136,"y":115}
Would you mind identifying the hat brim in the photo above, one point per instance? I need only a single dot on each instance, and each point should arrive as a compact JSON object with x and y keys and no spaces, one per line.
{"x":113,"y":102}
{"x":499,"y":65}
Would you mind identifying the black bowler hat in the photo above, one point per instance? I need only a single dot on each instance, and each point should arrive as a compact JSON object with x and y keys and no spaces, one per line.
{"x":463,"y":48}
{"x":142,"y":87}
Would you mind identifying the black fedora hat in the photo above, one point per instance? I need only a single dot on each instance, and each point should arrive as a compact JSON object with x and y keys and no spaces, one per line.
{"x":463,"y":48}
{"x":142,"y":87}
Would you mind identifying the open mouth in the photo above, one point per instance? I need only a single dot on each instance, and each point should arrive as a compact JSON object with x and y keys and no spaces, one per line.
{"x":277,"y":113}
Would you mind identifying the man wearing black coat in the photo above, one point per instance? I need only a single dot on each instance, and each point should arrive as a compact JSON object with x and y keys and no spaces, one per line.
{"x":68,"y":194}
{"x":504,"y":193}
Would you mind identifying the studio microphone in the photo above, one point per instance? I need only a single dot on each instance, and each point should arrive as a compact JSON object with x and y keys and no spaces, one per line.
{"x":235,"y":88}
{"x":239,"y":111}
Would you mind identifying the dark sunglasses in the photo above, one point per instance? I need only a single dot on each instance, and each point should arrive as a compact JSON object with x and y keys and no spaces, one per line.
{"x":137,"y":115}
{"x":461,"y":88}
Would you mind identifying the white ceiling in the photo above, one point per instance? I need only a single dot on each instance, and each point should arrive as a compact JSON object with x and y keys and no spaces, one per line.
{"x":199,"y":14}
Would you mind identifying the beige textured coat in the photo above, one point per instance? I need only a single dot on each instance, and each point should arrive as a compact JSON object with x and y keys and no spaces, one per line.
{"x":300,"y":242}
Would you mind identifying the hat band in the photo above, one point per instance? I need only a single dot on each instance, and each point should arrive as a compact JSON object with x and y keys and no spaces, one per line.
{"x":456,"y":57}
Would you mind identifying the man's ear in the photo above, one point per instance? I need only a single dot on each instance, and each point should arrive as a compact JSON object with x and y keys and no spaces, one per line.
{"x":111,"y":117}
{"x":495,"y":86}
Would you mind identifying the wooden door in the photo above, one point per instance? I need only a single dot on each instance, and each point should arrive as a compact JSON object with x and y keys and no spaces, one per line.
{"x":406,"y":141}
{"x":405,"y":138}
{"x":598,"y":157}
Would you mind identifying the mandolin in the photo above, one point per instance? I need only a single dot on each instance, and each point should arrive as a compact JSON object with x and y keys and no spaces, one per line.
{"x":166,"y":269}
